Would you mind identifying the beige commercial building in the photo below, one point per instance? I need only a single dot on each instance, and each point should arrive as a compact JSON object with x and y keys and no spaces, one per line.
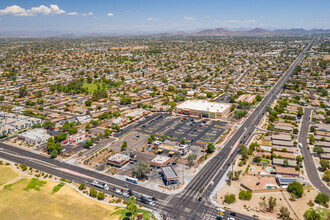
{"x":203,"y":108}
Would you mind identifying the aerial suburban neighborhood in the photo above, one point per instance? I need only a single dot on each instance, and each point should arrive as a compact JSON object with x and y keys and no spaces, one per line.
{"x":205,"y":124}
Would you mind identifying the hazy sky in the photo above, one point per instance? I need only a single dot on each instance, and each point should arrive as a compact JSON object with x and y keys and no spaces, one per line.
{"x":124,"y":16}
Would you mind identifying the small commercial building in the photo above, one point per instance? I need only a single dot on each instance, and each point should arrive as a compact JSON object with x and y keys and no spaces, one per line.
{"x":36,"y":136}
{"x":118,"y":160}
{"x":202,"y":108}
{"x":160,"y":161}
{"x":169,"y":175}
{"x":76,"y":138}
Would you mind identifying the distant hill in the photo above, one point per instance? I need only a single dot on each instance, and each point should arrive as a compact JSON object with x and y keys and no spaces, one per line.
{"x":252,"y":32}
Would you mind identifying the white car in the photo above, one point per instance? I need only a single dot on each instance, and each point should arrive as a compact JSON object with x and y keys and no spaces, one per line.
{"x":221,"y":210}
{"x":118,"y":192}
{"x":230,"y":219}
{"x":125,"y":195}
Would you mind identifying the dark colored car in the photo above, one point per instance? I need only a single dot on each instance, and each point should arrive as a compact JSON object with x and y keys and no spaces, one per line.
{"x":233,"y":213}
{"x":200,"y":199}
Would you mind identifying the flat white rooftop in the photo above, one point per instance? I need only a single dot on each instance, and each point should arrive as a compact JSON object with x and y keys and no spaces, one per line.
{"x":202,"y":105}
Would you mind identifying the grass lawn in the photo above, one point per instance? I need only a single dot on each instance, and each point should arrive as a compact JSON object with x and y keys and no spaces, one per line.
{"x":34,"y":199}
{"x":91,"y":86}
{"x":266,"y":161}
{"x":58,"y":187}
{"x":124,"y":214}
{"x":7,"y":173}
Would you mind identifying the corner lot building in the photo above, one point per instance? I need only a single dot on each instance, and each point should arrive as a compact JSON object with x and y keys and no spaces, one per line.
{"x":203,"y":108}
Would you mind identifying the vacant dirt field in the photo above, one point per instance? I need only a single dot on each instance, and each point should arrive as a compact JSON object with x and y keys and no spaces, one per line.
{"x":7,"y":173}
{"x":30,"y":198}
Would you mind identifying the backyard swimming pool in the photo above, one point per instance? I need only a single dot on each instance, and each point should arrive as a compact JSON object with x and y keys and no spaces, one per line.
{"x":269,"y":169}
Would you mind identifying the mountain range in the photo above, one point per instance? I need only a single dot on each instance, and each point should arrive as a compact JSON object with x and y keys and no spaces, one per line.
{"x":252,"y":32}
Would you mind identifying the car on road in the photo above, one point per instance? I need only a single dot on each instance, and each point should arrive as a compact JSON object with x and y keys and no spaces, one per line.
{"x":233,"y":213}
{"x":200,"y":199}
{"x":125,"y":195}
{"x":300,"y":145}
{"x":125,"y":185}
{"x":137,"y":193}
{"x":130,"y":192}
{"x":118,"y":192}
{"x":219,"y":209}
{"x":230,"y":218}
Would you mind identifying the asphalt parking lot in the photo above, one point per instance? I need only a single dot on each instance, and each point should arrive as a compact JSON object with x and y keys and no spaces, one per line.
{"x":225,"y":98}
{"x":193,"y":130}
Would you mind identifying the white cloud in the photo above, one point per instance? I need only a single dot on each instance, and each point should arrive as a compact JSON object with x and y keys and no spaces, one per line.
{"x":189,"y":18}
{"x":89,"y":13}
{"x":152,"y":19}
{"x":110,"y":14}
{"x":56,"y":10}
{"x":73,"y":13}
{"x":42,"y":9}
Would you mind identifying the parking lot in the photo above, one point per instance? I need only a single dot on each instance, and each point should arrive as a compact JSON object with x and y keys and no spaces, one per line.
{"x":194,"y":130}
{"x":225,"y":98}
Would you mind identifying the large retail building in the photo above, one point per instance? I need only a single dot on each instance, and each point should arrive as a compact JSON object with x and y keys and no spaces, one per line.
{"x":203,"y":108}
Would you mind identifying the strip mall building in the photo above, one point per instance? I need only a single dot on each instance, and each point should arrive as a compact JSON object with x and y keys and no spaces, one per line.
{"x":202,"y":108}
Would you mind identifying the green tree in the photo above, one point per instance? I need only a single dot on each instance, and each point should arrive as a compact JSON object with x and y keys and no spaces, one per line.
{"x":131,"y":205}
{"x":191,"y":158}
{"x":325,"y":164}
{"x":92,"y":192}
{"x":100,"y":136}
{"x":271,"y":203}
{"x":88,"y":126}
{"x":22,"y":91}
{"x":296,"y":189}
{"x":48,"y":125}
{"x":284,"y":213}
{"x":318,"y":150}
{"x":230,"y":198}
{"x":230,"y":175}
{"x":322,"y":199}
{"x":107,"y":132}
{"x":89,"y":102}
{"x":141,"y":169}
{"x":124,"y":145}
{"x":54,"y":153}
{"x":245,"y":195}
{"x":125,"y":100}
{"x":100,"y":195}
{"x":82,"y":186}
{"x":311,"y":214}
{"x":326,"y":176}
{"x":210,"y":148}
{"x":299,"y":159}
{"x":182,"y":141}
